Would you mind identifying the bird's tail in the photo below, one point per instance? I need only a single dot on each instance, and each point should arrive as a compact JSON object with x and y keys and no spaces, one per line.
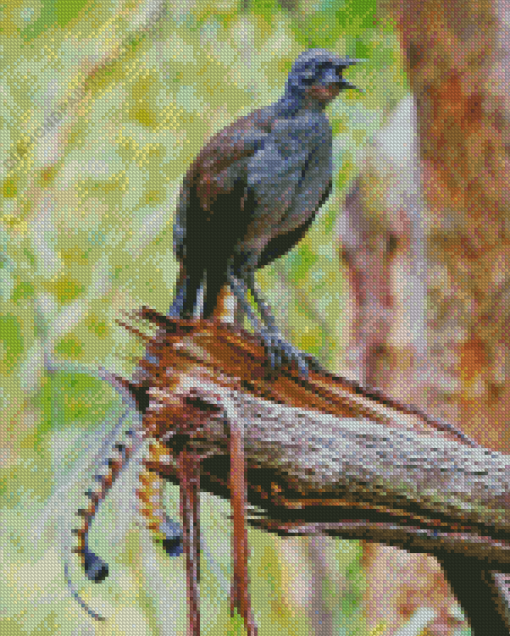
{"x":211,"y":282}
{"x":187,"y":294}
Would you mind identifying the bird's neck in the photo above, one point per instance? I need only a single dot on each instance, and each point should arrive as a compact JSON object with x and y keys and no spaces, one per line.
{"x":292,"y":104}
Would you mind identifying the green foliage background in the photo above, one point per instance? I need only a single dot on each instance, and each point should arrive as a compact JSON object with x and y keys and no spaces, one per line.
{"x":100,"y":118}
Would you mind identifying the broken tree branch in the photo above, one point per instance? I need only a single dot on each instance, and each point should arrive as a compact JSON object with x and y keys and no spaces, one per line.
{"x":322,"y":455}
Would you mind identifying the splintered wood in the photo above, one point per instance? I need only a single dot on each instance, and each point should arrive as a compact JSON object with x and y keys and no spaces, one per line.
{"x":322,"y":454}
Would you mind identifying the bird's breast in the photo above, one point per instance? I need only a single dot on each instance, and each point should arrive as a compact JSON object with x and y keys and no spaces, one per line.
{"x":288,"y":177}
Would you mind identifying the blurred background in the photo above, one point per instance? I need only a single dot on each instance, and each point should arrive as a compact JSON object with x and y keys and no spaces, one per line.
{"x":104,"y":106}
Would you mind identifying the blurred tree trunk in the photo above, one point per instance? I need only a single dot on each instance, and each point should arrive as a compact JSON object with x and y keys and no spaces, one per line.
{"x":453,"y":360}
{"x":382,"y":245}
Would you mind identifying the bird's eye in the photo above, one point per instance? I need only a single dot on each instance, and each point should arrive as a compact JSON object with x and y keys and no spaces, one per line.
{"x":308,"y":75}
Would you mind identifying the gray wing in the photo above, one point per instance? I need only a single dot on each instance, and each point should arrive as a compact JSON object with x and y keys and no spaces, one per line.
{"x":213,"y":196}
{"x":282,"y":243}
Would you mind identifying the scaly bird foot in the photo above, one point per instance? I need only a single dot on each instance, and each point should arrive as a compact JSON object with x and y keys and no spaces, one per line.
{"x":280,"y":353}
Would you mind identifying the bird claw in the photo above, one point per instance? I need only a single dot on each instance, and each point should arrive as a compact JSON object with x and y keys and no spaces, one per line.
{"x":281,"y":353}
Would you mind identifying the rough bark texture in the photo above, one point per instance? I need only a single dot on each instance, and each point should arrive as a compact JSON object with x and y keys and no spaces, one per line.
{"x":457,"y":56}
{"x":319,"y":449}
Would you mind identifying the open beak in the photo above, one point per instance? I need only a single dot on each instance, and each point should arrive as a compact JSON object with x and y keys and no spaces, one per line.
{"x":334,"y":76}
{"x":344,"y":84}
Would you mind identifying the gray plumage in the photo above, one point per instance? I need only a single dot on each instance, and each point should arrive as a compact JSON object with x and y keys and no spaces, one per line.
{"x":252,"y":192}
{"x":249,"y":197}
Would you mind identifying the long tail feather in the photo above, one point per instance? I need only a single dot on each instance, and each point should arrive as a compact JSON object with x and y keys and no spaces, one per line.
{"x":96,"y":569}
{"x":150,"y":495}
{"x":187,"y":293}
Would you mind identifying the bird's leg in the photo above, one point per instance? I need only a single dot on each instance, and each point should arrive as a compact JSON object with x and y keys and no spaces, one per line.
{"x":278,"y":349}
{"x":240,"y":291}
{"x":262,"y":306}
{"x":240,"y":598}
{"x":304,"y":360}
{"x":188,"y":468}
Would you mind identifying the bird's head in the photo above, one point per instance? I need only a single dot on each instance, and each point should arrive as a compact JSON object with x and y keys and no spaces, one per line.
{"x":316,"y":75}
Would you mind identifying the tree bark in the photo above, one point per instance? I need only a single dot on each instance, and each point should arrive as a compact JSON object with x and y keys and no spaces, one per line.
{"x":322,"y":455}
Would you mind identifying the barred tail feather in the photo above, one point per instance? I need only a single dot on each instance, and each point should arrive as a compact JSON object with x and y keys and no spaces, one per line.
{"x":95,"y":568}
{"x":150,"y":495}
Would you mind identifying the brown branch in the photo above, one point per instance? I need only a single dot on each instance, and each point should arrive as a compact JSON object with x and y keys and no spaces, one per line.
{"x":188,"y":470}
{"x":322,"y":455}
{"x":305,"y":470}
